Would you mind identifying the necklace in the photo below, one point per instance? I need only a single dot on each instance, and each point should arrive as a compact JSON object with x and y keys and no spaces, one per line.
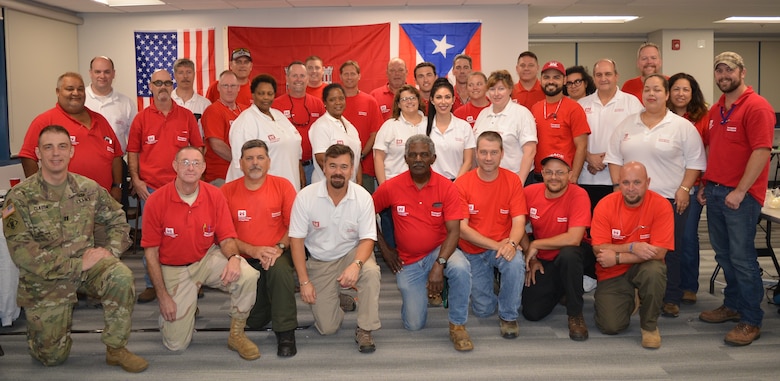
{"x":555,"y":114}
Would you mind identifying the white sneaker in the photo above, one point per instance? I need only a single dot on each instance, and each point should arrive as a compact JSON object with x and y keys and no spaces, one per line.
{"x":588,"y":283}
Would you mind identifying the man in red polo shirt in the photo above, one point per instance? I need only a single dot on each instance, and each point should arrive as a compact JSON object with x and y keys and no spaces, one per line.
{"x":156,"y":134}
{"x":189,"y":240}
{"x":631,"y":232}
{"x":528,"y":89}
{"x":648,"y":62}
{"x":301,"y":109}
{"x":561,"y":124}
{"x":426,"y":210}
{"x":216,"y":120}
{"x":384,"y":95}
{"x":363,"y":112}
{"x":97,"y":151}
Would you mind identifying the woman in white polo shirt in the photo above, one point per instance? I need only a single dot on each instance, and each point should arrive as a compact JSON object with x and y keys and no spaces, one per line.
{"x":389,"y":146}
{"x":452,"y":136}
{"x":334,"y":128}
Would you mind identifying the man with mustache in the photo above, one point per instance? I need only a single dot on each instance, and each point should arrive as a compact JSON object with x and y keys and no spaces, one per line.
{"x":260,"y":202}
{"x":156,"y":134}
{"x":184,"y":94}
{"x":561,"y":125}
{"x":334,"y":220}
{"x":739,"y":141}
{"x":97,"y":151}
{"x":426,"y":210}
{"x":648,"y":61}
{"x":396,"y":77}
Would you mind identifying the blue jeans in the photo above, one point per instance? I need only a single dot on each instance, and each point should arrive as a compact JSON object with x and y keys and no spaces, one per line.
{"x":483,"y":299}
{"x":689,"y":252}
{"x":674,"y":292}
{"x":413,"y":280}
{"x":308,"y":170}
{"x":732,"y":234}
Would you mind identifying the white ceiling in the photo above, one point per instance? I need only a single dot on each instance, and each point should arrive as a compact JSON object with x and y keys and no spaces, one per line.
{"x":654,"y":14}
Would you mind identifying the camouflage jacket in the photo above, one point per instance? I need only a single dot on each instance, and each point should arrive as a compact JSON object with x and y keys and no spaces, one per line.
{"x":47,"y":237}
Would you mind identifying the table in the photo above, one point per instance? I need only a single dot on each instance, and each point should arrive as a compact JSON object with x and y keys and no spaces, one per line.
{"x":769,"y":215}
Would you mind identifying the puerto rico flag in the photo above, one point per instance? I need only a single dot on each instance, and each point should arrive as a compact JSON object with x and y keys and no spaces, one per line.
{"x":439,"y":43}
{"x":158,"y":50}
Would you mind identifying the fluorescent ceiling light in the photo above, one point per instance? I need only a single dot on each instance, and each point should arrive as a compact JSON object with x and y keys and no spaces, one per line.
{"x":587,"y":19}
{"x":129,"y":3}
{"x":751,"y":19}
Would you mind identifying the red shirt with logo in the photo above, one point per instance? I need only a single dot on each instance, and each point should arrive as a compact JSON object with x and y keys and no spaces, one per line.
{"x":301,"y":112}
{"x":363,"y":112}
{"x":384,"y":98}
{"x":182,"y":232}
{"x":94,"y":148}
{"x":556,"y":130}
{"x":216,"y":121}
{"x":550,"y":217}
{"x":469,"y":112}
{"x":528,"y":98}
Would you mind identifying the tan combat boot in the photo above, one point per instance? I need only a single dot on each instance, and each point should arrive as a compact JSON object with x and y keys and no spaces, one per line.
{"x":237,"y":341}
{"x":126,"y":359}
{"x":460,"y":338}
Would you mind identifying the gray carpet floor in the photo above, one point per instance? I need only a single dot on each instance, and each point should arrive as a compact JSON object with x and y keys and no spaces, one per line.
{"x":691,"y":349}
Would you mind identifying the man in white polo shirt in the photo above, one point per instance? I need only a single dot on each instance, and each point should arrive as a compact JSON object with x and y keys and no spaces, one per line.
{"x":334,"y":219}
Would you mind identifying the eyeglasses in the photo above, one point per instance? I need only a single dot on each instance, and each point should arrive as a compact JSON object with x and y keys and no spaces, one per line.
{"x":575,"y":82}
{"x":409,"y":98}
{"x":550,"y":173}
{"x":194,"y":164}
{"x":160,"y":83}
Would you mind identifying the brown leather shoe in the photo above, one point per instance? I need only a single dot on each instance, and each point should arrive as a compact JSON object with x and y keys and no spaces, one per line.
{"x":578,"y":331}
{"x":689,"y":297}
{"x":364,"y":341}
{"x":651,"y":339}
{"x":670,"y":310}
{"x":347,"y":302}
{"x":147,"y":296}
{"x":743,"y":334}
{"x":509,"y":329}
{"x":435,"y":300}
{"x":719,"y":315}
{"x":460,"y":338}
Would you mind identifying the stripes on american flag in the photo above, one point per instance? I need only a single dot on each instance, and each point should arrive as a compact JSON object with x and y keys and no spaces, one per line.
{"x":159,"y":49}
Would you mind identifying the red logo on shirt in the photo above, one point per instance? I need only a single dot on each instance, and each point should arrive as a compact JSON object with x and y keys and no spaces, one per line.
{"x":151,"y":139}
{"x":242,"y":217}
{"x":316,"y":224}
{"x":401,"y":210}
{"x":272,"y":138}
{"x":399,"y":142}
{"x":73,"y":140}
{"x":533,"y":213}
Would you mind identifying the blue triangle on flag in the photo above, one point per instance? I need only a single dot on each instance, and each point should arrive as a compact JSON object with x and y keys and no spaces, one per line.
{"x":439,"y":43}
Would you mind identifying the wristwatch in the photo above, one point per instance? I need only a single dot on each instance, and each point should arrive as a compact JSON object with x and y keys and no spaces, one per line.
{"x":442,"y":261}
{"x":359,"y":263}
{"x":281,"y":246}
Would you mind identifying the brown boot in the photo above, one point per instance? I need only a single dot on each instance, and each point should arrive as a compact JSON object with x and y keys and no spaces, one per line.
{"x":578,"y":331}
{"x":742,"y":334}
{"x":719,"y":315}
{"x":460,"y":338}
{"x":651,"y":339}
{"x":237,"y":341}
{"x":126,"y":359}
{"x":147,"y":295}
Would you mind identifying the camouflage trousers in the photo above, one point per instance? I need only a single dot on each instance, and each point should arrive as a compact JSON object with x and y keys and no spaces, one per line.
{"x":49,"y":324}
{"x":182,"y":283}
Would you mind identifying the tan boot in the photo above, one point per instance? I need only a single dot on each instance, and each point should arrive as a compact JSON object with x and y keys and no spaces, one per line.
{"x":237,"y":341}
{"x":460,"y":338}
{"x":126,"y":359}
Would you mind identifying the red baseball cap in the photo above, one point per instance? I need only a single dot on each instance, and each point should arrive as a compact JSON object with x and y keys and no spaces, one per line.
{"x":555,"y":65}
{"x":558,"y":156}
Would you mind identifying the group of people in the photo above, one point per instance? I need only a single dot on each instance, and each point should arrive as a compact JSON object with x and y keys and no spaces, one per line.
{"x":499,"y":197}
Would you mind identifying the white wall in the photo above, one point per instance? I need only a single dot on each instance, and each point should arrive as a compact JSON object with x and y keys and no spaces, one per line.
{"x":38,"y":50}
{"x":690,"y":58}
{"x":504,"y":30}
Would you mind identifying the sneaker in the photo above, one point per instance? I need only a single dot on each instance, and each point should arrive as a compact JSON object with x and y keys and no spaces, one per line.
{"x":126,"y":359}
{"x":670,"y":310}
{"x":460,"y":338}
{"x":147,"y":296}
{"x":589,"y":284}
{"x":509,"y":329}
{"x":743,"y":334}
{"x":651,"y":339}
{"x":435,"y":300}
{"x":364,"y":341}
{"x":719,"y":315}
{"x":347,"y":302}
{"x":689,"y":297}
{"x":578,"y":331}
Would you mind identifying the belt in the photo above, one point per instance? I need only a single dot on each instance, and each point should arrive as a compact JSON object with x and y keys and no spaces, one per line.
{"x":306,"y":162}
{"x":184,"y":265}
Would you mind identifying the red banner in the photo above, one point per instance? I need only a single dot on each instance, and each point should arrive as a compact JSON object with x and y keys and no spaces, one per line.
{"x":274,"y":48}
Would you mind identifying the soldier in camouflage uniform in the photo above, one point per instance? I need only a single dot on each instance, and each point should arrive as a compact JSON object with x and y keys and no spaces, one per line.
{"x":48,"y":222}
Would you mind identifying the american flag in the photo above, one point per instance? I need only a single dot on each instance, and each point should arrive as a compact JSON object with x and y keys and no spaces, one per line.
{"x":159,"y":49}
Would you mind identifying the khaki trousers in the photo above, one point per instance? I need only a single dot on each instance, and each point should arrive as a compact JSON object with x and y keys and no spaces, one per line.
{"x":614,"y":297}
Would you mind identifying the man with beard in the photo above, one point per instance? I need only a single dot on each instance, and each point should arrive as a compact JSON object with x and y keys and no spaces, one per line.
{"x":97,"y":151}
{"x":396,"y":77}
{"x":301,"y":109}
{"x":260,"y":202}
{"x":631,"y":232}
{"x":561,"y":124}
{"x":426,"y":210}
{"x":157,"y":133}
{"x":557,"y":258}
{"x":184,"y":94}
{"x":648,"y":61}
{"x":334,"y":219}
{"x":739,"y":141}
{"x":241,"y":64}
